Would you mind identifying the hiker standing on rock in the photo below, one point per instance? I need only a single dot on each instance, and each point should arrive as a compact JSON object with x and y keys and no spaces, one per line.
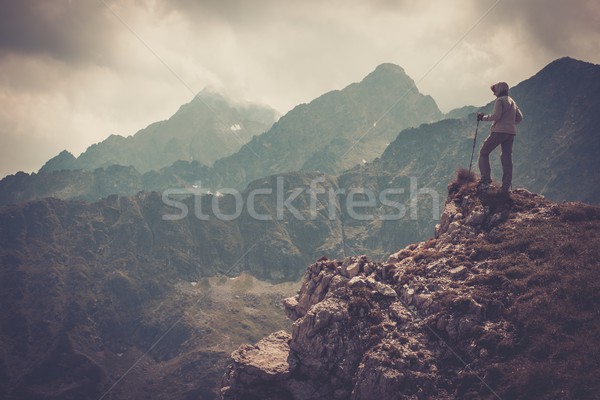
{"x":506,"y":116}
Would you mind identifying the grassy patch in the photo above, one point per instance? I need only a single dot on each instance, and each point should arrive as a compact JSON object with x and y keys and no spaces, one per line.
{"x":551,"y":270}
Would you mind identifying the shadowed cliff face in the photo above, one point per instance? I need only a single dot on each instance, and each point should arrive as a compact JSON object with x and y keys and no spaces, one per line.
{"x":502,"y":303}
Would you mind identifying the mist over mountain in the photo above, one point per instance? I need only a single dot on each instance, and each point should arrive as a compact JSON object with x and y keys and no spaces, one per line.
{"x":461,"y":112}
{"x":554,"y":153}
{"x":336,"y":131}
{"x":556,"y":141}
{"x":207,"y":128}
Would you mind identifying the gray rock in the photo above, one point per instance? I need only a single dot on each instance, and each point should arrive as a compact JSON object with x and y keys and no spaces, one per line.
{"x":476,"y":217}
{"x":357,"y":281}
{"x":353,"y":270}
{"x":383,"y":289}
{"x":290,"y":305}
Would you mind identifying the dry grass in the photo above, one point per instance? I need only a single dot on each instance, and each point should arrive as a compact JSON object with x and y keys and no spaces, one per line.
{"x":551,"y":293}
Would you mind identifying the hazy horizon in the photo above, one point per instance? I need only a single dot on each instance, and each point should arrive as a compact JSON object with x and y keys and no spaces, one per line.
{"x":74,"y":73}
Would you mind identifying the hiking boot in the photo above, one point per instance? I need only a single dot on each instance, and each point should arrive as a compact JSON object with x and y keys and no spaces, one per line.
{"x":484,"y":186}
{"x":504,"y":194}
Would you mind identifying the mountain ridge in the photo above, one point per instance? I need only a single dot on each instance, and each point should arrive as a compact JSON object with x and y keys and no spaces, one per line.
{"x":428,"y":154}
{"x":339,"y":117}
{"x":319,"y":135}
{"x":208,"y":127}
{"x":562,"y":127}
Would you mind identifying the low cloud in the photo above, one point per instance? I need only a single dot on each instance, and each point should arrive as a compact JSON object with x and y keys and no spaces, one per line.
{"x":71,"y":31}
{"x":556,"y":27}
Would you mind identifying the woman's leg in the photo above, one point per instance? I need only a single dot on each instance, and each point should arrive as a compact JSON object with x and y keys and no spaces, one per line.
{"x":506,"y":159}
{"x":489,"y":145}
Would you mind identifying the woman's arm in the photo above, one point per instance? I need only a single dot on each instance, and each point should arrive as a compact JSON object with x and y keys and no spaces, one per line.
{"x":518,"y":116}
{"x":495,"y":116}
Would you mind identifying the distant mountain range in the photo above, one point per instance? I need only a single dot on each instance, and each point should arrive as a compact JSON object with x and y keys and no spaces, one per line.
{"x":554,"y":154}
{"x":336,"y":131}
{"x":206,"y":129}
{"x":332,"y":133}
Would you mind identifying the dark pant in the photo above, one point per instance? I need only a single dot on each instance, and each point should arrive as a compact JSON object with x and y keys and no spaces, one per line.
{"x":494,"y":140}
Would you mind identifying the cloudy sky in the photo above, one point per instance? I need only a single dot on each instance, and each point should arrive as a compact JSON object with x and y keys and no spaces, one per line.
{"x":75,"y":71}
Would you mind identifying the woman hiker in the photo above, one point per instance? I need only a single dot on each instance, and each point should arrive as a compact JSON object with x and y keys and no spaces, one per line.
{"x":506,"y":116}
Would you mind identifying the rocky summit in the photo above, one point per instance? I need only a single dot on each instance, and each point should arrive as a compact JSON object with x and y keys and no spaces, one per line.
{"x":502,"y":303}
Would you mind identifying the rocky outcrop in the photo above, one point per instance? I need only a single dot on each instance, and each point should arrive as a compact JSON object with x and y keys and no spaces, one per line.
{"x":440,"y":319}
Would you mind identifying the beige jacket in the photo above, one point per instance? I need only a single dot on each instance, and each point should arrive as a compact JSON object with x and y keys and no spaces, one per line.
{"x":506,"y":116}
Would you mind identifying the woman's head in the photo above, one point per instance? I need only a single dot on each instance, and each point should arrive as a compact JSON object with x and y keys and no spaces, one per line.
{"x":500,"y":89}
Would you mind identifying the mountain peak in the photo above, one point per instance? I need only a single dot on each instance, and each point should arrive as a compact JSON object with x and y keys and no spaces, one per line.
{"x":63,"y":161}
{"x":386,"y":74}
{"x":567,"y":65}
{"x":568,"y":61}
{"x":213,"y":93}
{"x":389,"y":68}
{"x":201,"y":130}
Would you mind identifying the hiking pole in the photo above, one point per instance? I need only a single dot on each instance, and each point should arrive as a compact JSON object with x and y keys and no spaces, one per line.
{"x":473,"y":151}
